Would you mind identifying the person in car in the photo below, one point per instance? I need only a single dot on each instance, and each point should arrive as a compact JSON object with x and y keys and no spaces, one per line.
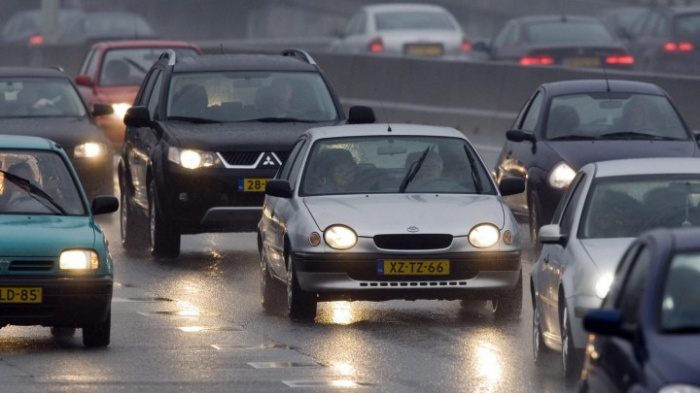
{"x":335,"y":173}
{"x":637,"y":116}
{"x":20,"y":199}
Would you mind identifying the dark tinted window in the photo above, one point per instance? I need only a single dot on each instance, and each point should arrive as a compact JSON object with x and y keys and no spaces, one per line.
{"x":413,"y":20}
{"x":533,"y":113}
{"x":573,"y":33}
{"x":688,"y":27}
{"x":633,"y":287}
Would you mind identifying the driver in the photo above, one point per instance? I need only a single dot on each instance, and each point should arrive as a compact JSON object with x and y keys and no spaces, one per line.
{"x":637,"y":116}
{"x":20,"y":199}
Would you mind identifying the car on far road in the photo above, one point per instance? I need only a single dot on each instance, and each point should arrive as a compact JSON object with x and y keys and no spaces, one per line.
{"x":606,"y":207}
{"x":620,"y":19}
{"x":370,"y":212}
{"x":55,"y":267}
{"x":45,"y":102}
{"x":564,"y":40}
{"x":646,"y":336}
{"x":667,"y":39}
{"x":403,"y":29}
{"x":566,"y":125}
{"x":112,"y":72}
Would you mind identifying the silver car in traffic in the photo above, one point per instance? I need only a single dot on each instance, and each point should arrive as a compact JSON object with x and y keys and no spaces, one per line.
{"x":377,"y":212}
{"x":607,"y":205}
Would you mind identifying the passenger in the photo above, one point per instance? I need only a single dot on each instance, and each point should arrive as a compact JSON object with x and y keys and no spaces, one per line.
{"x":343,"y":171}
{"x":19,"y":199}
{"x":563,"y":121}
{"x":637,"y":116}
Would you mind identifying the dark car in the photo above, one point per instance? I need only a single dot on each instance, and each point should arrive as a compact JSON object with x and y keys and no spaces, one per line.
{"x":645,"y":337}
{"x":667,"y":39}
{"x":620,"y":19}
{"x":204,"y":136}
{"x":565,"y":125}
{"x":572,"y":41}
{"x":44,"y":102}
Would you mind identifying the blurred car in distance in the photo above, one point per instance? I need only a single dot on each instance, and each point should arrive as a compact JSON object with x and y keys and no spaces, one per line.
{"x":44,"y":102}
{"x":571,"y":41}
{"x":112,"y":72}
{"x":645,"y":337}
{"x":605,"y":208}
{"x":55,"y":268}
{"x":403,"y":29}
{"x":566,"y":125}
{"x":619,"y":20}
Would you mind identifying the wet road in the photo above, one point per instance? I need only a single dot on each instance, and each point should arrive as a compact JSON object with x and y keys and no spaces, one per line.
{"x":195,"y":324}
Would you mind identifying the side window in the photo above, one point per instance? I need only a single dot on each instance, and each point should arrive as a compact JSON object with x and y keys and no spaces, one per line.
{"x":296,"y":166}
{"x":638,"y":24}
{"x":351,"y":28}
{"x":650,"y":24}
{"x":533,"y":113}
{"x":501,"y":37}
{"x":154,"y":100}
{"x":361,"y":24}
{"x":633,"y":287}
{"x":556,"y":218}
{"x":88,"y":59}
{"x":661,"y":27}
{"x":611,"y":300}
{"x":567,"y":219}
{"x":91,"y":69}
{"x":145,"y":92}
{"x":283,"y":173}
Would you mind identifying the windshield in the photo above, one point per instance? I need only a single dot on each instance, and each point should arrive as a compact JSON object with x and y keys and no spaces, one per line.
{"x":37,"y":182}
{"x":413,"y":20}
{"x":613,"y":116}
{"x":367,"y":165}
{"x":101,"y":24}
{"x":680,"y":307}
{"x":39,"y":97}
{"x":251,"y":96}
{"x":614,"y":205}
{"x":688,"y":27}
{"x":128,"y":67}
{"x":568,"y":33}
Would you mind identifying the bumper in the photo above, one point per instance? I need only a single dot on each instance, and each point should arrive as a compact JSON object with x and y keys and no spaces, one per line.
{"x":355,"y":277}
{"x":67,"y":301}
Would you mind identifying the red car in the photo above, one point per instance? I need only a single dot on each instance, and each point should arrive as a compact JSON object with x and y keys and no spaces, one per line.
{"x":112,"y":73}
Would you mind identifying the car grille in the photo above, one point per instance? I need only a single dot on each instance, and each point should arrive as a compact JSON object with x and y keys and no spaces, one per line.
{"x":247,"y":158}
{"x":30,"y":266}
{"x":413,"y":241}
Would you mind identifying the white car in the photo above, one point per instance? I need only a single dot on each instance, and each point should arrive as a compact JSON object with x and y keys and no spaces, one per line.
{"x":607,"y":205}
{"x":371,"y":212}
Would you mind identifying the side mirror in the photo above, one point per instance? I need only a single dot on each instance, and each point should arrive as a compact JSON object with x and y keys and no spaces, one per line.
{"x":137,"y":116}
{"x":279,"y":189}
{"x":104,"y":204}
{"x":551,"y":234}
{"x":361,"y":115}
{"x":519,"y":136}
{"x":83,"y":80}
{"x":101,"y":109}
{"x":511,"y":186}
{"x":606,"y":322}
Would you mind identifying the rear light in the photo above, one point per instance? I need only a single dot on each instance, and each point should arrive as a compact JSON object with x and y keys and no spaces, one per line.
{"x":536,"y":60}
{"x":673,"y":47}
{"x":619,"y":59}
{"x":466,"y":45}
{"x":685,"y":47}
{"x":36,"y":40}
{"x":376,"y":45}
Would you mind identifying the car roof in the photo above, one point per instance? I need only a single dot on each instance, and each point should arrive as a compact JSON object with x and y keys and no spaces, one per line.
{"x":27,"y":142}
{"x":373,"y":8}
{"x":241,"y":62}
{"x":555,"y":18}
{"x":647,"y":166}
{"x":32,"y":72}
{"x":600,"y":85}
{"x":144,"y":44}
{"x":381,"y":129}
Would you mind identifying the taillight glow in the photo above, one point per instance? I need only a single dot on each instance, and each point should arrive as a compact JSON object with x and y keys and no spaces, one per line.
{"x":466,"y":45}
{"x":673,"y":47}
{"x":619,"y":59}
{"x":36,"y":40}
{"x":376,"y":45}
{"x":685,"y":47}
{"x":536,"y":60}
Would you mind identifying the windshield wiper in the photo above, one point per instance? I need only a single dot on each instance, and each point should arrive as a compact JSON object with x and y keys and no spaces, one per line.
{"x":413,"y":170}
{"x":634,"y":135}
{"x":575,"y":137}
{"x":34,"y":191}
{"x":281,"y":120}
{"x":475,"y":176}
{"x":197,"y":120}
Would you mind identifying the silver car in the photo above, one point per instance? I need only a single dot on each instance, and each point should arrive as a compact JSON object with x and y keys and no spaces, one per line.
{"x":403,"y":29}
{"x":607,"y":205}
{"x":371,"y":212}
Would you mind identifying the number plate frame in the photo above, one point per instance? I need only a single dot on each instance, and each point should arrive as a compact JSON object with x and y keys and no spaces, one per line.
{"x":413,"y":267}
{"x":14,"y":295}
{"x":252,"y":184}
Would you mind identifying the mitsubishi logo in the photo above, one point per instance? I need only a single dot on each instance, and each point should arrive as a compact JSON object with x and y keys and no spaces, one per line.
{"x":4,"y":264}
{"x":268,"y":160}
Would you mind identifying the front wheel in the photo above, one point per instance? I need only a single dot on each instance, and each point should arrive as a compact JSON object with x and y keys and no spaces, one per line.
{"x":510,"y":303}
{"x":165,"y":240}
{"x":570,"y":362}
{"x":301,"y":305}
{"x":98,"y":334}
{"x":132,"y":225}
{"x":539,"y":349}
{"x":271,"y":294}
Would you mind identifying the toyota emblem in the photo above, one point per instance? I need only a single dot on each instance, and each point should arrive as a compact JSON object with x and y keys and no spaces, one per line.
{"x":412,"y":229}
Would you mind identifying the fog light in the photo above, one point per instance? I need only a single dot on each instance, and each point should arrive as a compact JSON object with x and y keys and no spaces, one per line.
{"x":183,"y":197}
{"x":508,"y":237}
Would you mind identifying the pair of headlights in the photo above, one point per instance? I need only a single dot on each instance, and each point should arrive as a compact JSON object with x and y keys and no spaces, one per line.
{"x":341,"y":237}
{"x":79,"y":260}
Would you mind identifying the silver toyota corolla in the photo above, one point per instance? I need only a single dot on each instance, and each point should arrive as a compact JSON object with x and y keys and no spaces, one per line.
{"x":606,"y":206}
{"x":371,"y":212}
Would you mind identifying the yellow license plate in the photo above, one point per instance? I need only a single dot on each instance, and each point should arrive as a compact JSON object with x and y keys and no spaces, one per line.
{"x":424,"y":50}
{"x":20,"y":295}
{"x":413,"y":267}
{"x":252,"y":185}
{"x":582,"y":62}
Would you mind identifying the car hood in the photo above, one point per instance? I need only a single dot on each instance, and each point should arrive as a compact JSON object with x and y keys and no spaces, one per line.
{"x":370,"y":215}
{"x":116,"y":95}
{"x":675,"y":356}
{"x":228,"y":136}
{"x":43,"y":236}
{"x":66,"y":131}
{"x":606,"y":253}
{"x":579,"y":153}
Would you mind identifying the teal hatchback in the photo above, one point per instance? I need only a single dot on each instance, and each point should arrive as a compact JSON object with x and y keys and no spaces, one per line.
{"x":55,"y":267}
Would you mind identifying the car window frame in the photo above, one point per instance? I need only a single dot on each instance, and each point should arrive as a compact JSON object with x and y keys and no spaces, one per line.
{"x":629,"y":303}
{"x":286,"y":168}
{"x":538,"y":95}
{"x":155,"y":95}
{"x":566,"y":226}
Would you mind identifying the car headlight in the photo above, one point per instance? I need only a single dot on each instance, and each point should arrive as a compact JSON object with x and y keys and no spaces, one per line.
{"x":120,"y":109}
{"x":561,"y":175}
{"x":679,"y":388}
{"x":193,"y":159}
{"x":484,"y":235}
{"x":602,"y":286}
{"x":340,"y":237}
{"x":90,"y":150}
{"x":79,"y":260}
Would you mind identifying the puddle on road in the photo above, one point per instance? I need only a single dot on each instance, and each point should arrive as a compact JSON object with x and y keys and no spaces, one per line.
{"x":141,"y":299}
{"x":251,"y":346}
{"x":333,"y":383}
{"x":199,"y":329}
{"x":283,"y":364}
{"x":180,"y":313}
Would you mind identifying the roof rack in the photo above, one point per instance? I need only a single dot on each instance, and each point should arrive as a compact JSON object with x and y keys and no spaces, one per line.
{"x":299,"y":54}
{"x":170,"y":55}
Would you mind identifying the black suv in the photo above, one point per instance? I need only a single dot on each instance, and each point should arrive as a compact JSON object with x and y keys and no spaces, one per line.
{"x":204,"y":136}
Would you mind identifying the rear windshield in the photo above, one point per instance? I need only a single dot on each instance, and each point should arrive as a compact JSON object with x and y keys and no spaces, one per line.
{"x":688,"y":27}
{"x":413,"y":20}
{"x":128,"y":67}
{"x":568,"y":33}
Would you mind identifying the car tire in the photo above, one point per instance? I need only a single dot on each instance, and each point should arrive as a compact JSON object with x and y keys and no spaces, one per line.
{"x":271,"y":293}
{"x":539,"y":350}
{"x":301,"y":305}
{"x":571,"y":366}
{"x":132,"y":225}
{"x":165,"y":240}
{"x":510,"y":303}
{"x":535,"y":221}
{"x":98,"y":334}
{"x":60,"y":331}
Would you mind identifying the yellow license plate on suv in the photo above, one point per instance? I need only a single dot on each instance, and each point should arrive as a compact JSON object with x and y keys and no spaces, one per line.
{"x":252,"y":185}
{"x":413,"y":267}
{"x":20,"y":295}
